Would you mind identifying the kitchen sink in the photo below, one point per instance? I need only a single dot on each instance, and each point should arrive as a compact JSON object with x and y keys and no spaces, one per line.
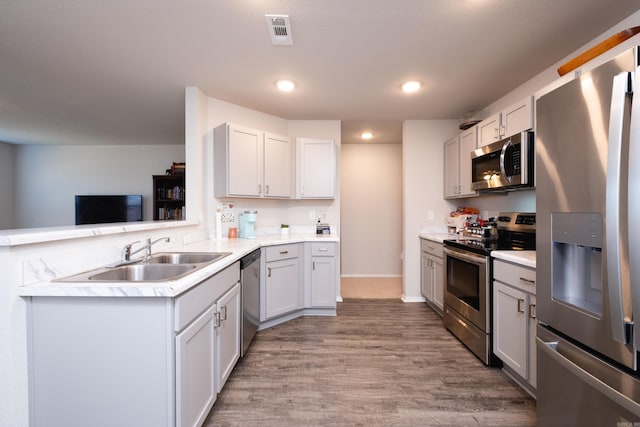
{"x":186,"y":257}
{"x":143,"y":272}
{"x":160,"y":267}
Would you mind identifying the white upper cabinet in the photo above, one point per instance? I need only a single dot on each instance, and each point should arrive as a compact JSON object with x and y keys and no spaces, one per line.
{"x":251,"y":163}
{"x":457,"y":164}
{"x":451,"y":167}
{"x":316,"y":168}
{"x":278,"y":173}
{"x":517,"y":118}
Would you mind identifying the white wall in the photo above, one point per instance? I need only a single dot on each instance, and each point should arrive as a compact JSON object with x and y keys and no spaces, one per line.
{"x":422,"y":157}
{"x":47,"y":177}
{"x":371,"y":210}
{"x":7,"y":159}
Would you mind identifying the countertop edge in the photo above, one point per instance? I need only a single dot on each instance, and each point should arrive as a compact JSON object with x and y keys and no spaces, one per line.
{"x":237,"y":247}
{"x":524,"y":258}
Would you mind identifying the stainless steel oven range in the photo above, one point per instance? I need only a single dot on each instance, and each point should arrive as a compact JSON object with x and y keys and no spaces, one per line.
{"x":468,"y":273}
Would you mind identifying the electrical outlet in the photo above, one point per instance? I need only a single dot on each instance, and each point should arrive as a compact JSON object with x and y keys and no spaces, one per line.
{"x":312,"y":215}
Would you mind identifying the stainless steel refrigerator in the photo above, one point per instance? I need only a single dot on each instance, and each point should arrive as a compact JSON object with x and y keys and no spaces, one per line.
{"x":588,"y":248}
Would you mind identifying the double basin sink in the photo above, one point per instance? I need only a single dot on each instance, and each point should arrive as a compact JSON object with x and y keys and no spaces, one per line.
{"x":160,"y":267}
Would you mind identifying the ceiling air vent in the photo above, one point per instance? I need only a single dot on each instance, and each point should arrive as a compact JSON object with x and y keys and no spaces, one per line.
{"x":280,"y":29}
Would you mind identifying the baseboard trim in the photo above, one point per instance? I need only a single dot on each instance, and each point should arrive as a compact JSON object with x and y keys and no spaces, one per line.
{"x":371,"y":276}
{"x":405,"y":298}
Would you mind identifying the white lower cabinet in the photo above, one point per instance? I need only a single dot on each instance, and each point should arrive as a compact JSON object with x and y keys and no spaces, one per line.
{"x":514,"y":319}
{"x":133,"y":361}
{"x":432,"y":273}
{"x":228,"y":321}
{"x":322,"y":278}
{"x":282,"y":280}
{"x":196,"y":347}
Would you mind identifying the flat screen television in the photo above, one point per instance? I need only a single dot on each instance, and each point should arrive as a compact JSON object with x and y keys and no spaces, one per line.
{"x":101,"y":209}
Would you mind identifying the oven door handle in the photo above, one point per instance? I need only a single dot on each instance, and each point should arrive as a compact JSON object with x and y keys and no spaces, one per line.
{"x":474,"y":259}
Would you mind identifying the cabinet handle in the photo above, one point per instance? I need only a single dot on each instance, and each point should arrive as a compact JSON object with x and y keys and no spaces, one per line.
{"x":532,"y":311}
{"x":284,"y":252}
{"x":520,"y":305}
{"x":495,"y":133}
{"x":268,"y":271}
{"x":224,"y":313}
{"x":313,"y":265}
{"x":259,"y":188}
{"x":266,"y":189}
{"x":302,"y":191}
{"x":323,"y":249}
{"x":216,"y":319}
{"x":524,"y":279}
{"x":503,"y":130}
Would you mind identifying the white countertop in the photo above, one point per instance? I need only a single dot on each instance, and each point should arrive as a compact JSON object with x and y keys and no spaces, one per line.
{"x":525,"y":258}
{"x":237,"y":247}
{"x":438,"y":237}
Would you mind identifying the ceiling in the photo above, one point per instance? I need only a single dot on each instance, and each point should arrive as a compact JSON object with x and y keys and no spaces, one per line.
{"x":114,"y":72}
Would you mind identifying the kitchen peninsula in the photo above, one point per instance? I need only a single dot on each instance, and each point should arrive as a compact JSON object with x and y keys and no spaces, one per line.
{"x":149,"y":335}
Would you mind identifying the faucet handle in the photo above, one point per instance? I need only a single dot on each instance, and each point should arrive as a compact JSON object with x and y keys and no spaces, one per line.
{"x":126,"y":251}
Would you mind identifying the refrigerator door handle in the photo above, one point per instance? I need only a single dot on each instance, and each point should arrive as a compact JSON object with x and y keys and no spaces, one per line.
{"x":619,"y":320}
{"x":633,"y":200}
{"x":551,"y":349}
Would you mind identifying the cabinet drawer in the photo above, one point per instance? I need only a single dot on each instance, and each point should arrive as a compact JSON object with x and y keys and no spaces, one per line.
{"x":515,"y":275}
{"x":189,"y":305}
{"x":275,"y":253}
{"x":431,"y":247}
{"x":323,"y":249}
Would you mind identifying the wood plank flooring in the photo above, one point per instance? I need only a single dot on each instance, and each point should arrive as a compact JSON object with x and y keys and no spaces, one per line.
{"x":371,"y":287}
{"x":378,"y":363}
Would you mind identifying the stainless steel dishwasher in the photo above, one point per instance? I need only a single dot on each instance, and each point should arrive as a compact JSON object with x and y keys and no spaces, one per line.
{"x":250,"y":294}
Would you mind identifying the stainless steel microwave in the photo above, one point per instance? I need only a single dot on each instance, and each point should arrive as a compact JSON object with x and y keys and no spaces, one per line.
{"x":504,"y":165}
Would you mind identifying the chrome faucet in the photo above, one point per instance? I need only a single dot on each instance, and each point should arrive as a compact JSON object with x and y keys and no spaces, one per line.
{"x":126,"y":251}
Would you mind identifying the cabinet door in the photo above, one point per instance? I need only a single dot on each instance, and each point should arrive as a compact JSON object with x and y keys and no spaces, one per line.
{"x":532,"y":341}
{"x":426,"y":276}
{"x":278,"y":176}
{"x":316,"y":168}
{"x":510,"y":331}
{"x":489,"y":130}
{"x":518,"y":117}
{"x":195,"y":374}
{"x":451,"y":168}
{"x":438,"y":282}
{"x":282,"y":284}
{"x":228,"y":334}
{"x":323,"y":286}
{"x":245,"y":159}
{"x":468,"y":143}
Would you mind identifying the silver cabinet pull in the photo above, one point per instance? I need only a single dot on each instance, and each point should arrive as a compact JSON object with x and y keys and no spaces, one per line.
{"x":323,"y":249}
{"x":216,"y":319}
{"x":268,"y":271}
{"x":284,"y":252}
{"x":532,"y":311}
{"x":524,"y":279}
{"x":224,"y":313}
{"x":520,"y":305}
{"x":313,"y":265}
{"x":266,"y":189}
{"x":259,"y":188}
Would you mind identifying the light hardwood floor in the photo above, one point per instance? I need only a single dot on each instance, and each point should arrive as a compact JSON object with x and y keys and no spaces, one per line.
{"x":380,"y":362}
{"x":371,"y":287}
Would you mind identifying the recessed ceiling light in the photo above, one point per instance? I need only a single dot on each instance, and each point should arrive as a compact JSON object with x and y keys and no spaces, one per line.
{"x":366,"y":135}
{"x":285,"y":85}
{"x":411,"y":86}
